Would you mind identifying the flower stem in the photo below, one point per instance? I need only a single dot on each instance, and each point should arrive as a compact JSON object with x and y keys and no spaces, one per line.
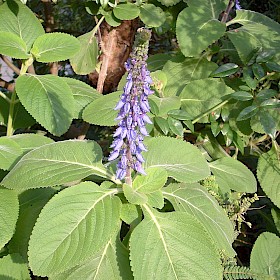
{"x":10,"y":128}
{"x":128,"y":179}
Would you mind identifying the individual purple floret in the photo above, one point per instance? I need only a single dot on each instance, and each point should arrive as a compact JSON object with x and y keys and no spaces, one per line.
{"x":133,"y":108}
{"x":237,"y":5}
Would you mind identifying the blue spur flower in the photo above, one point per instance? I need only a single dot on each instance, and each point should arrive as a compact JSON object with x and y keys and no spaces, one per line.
{"x":237,"y":5}
{"x":133,"y":107}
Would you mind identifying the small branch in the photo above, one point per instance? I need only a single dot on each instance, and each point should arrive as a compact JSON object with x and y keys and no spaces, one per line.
{"x":10,"y":64}
{"x":227,"y":11}
{"x":4,"y":96}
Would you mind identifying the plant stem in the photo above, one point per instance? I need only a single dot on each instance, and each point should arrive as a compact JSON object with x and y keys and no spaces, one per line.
{"x":128,"y":179}
{"x":10,"y":64}
{"x":10,"y":128}
{"x":209,"y":111}
{"x":227,"y":11}
{"x":4,"y":96}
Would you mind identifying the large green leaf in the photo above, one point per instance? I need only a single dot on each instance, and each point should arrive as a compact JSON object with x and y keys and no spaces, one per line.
{"x":83,"y":95}
{"x":181,"y":73}
{"x":180,"y":159}
{"x":52,"y":47}
{"x":72,"y":227}
{"x":214,"y":7}
{"x":165,"y":104}
{"x":20,"y":20}
{"x":126,"y":11}
{"x":10,"y":153}
{"x":265,"y":255}
{"x":13,"y":46}
{"x":197,"y":28}
{"x":9,"y":208}
{"x":85,"y":60}
{"x":48,"y":99}
{"x":101,"y":111}
{"x":57,"y":163}
{"x":151,"y":15}
{"x":13,"y":267}
{"x":232,"y":174}
{"x":201,"y":95}
{"x":170,"y":245}
{"x":268,"y":174}
{"x":111,"y":262}
{"x":31,"y":203}
{"x":195,"y":200}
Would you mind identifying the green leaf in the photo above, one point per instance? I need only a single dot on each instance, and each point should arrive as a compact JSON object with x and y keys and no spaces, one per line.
{"x":225,"y":70}
{"x":156,"y":199}
{"x":181,"y":73}
{"x":9,"y":208}
{"x":241,"y":95}
{"x":112,"y":20}
{"x":13,"y":267}
{"x":258,"y":71}
{"x":270,"y":104}
{"x":21,"y":21}
{"x":268,"y":123}
{"x":101,"y":111}
{"x":233,"y":174}
{"x":84,"y":62}
{"x":273,"y":66}
{"x":13,"y":46}
{"x":133,"y":196}
{"x":86,"y":223}
{"x":57,"y":163}
{"x":28,"y":141}
{"x":48,"y":99}
{"x":10,"y":153}
{"x":180,"y":159}
{"x":157,"y":61}
{"x":83,"y":95}
{"x":175,"y":126}
{"x":276,"y":218}
{"x":195,"y":200}
{"x":201,"y":95}
{"x":126,"y":11}
{"x":245,"y":43}
{"x":268,"y":174}
{"x":111,"y":262}
{"x":179,"y":115}
{"x":151,"y":15}
{"x":266,"y":254}
{"x":197,"y":34}
{"x":156,"y":254}
{"x":162,"y":124}
{"x":169,"y":3}
{"x":57,"y":46}
{"x":165,"y":104}
{"x":247,"y":113}
{"x":31,"y":203}
{"x":130,"y":213}
{"x":153,"y":181}
{"x":215,"y":7}
{"x":265,"y":56}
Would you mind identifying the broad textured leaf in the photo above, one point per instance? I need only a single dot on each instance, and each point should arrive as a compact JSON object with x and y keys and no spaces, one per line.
{"x":201,"y":95}
{"x":215,"y":7}
{"x":133,"y":196}
{"x":247,"y":113}
{"x":57,"y":46}
{"x":170,"y":245}
{"x":111,"y":262}
{"x":151,"y":15}
{"x":112,"y":20}
{"x":162,"y":124}
{"x":83,"y":95}
{"x":28,"y":141}
{"x":126,"y":11}
{"x":168,"y":3}
{"x":101,"y":111}
{"x":153,"y":181}
{"x":85,"y":60}
{"x":268,"y":174}
{"x":194,"y":199}
{"x":157,"y":61}
{"x":265,"y":255}
{"x":20,"y":20}
{"x":245,"y":43}
{"x":268,"y":123}
{"x":197,"y":28}
{"x":179,"y":115}
{"x":130,"y":213}
{"x":241,"y":95}
{"x":175,"y":126}
{"x":13,"y":267}
{"x":72,"y":227}
{"x":9,"y":208}
{"x":180,"y":159}
{"x":275,"y":213}
{"x":165,"y":104}
{"x":13,"y":46}
{"x":31,"y":203}
{"x":156,"y":199}
{"x":57,"y":163}
{"x":233,"y":174}
{"x":181,"y":73}
{"x":48,"y":99}
{"x":10,"y":153}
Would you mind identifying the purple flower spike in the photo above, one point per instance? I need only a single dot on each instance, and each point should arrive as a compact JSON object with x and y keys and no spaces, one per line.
{"x":133,"y":108}
{"x":237,"y":5}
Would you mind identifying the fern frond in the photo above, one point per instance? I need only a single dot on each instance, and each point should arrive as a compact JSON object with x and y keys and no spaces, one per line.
{"x":233,"y":272}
